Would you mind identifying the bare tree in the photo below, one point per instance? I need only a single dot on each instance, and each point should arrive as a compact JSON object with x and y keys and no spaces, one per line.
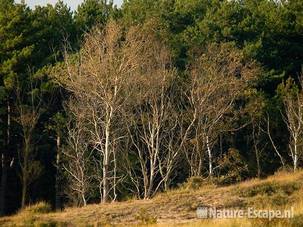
{"x":78,"y":163}
{"x":148,"y":136}
{"x":293,"y":118}
{"x":100,"y":75}
{"x":149,"y":125}
{"x":218,"y":77}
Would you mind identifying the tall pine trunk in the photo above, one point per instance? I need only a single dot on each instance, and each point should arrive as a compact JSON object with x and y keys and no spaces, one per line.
{"x":3,"y":184}
{"x":4,"y":163}
{"x":25,"y":170}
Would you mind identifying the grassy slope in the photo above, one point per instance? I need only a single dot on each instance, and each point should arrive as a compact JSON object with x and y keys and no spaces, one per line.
{"x":179,"y":206}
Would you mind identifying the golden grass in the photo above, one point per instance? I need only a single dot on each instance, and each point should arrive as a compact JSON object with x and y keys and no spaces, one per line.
{"x":178,"y":207}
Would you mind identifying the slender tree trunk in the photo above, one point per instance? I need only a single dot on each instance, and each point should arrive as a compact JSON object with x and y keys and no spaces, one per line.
{"x":273,"y":144}
{"x":25,"y":172}
{"x":146,"y":185}
{"x":295,"y":155}
{"x":3,"y":184}
{"x":199,"y":152}
{"x":105,"y":181}
{"x":258,"y":163}
{"x":24,"y":191}
{"x":4,"y":163}
{"x":106,"y":164}
{"x":151,"y":177}
{"x":23,"y":195}
{"x":115,"y":178}
{"x":210,"y":165}
{"x":83,"y":199}
{"x":167,"y":181}
{"x":58,"y":205}
{"x":256,"y":152}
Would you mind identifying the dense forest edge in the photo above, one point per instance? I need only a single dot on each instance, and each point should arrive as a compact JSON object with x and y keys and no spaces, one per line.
{"x":107,"y":104}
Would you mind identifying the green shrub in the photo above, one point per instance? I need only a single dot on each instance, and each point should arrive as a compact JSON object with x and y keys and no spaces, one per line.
{"x":194,"y":183}
{"x":263,"y":201}
{"x":271,"y":188}
{"x":145,"y":218}
{"x":233,"y":168}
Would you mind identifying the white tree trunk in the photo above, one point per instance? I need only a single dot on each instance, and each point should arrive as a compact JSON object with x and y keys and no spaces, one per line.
{"x":210,"y":165}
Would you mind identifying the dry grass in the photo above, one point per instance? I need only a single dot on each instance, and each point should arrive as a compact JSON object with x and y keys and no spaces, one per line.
{"x":178,"y":207}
